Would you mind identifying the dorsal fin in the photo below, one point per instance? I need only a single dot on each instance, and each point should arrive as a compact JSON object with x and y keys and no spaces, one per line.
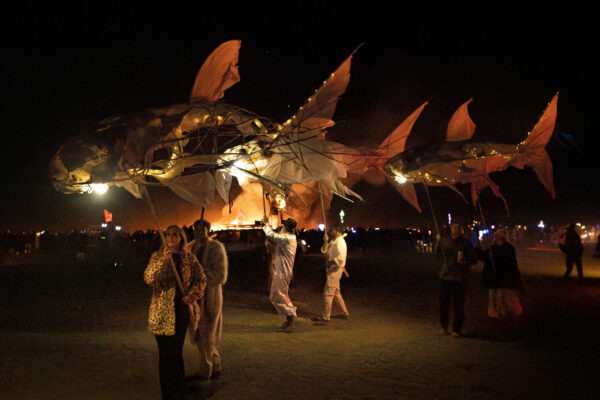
{"x":317,"y":113}
{"x":218,"y":73}
{"x":395,"y":142}
{"x":461,"y":126}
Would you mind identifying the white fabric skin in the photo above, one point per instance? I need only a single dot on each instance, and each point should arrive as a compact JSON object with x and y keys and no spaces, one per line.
{"x":283,"y":262}
{"x":335,"y":262}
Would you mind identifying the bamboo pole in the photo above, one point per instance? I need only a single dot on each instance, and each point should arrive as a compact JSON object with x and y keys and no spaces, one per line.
{"x":325,"y":221}
{"x":437,"y":228}
{"x":162,"y":237}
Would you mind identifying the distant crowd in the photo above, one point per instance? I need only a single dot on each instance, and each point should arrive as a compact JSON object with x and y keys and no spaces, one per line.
{"x":109,"y":245}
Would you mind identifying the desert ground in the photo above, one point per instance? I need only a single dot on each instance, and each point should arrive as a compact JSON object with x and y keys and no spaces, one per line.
{"x":79,"y":332}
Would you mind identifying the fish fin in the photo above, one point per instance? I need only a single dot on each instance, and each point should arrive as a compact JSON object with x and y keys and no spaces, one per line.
{"x":374,"y":176}
{"x":542,"y":131}
{"x":317,"y":113}
{"x":451,"y":186}
{"x":223,"y":182}
{"x":480,"y":183}
{"x":461,"y":126}
{"x":532,"y":152}
{"x":539,"y":161}
{"x":218,"y":73}
{"x":131,"y":187}
{"x":407,"y":190}
{"x":395,"y":142}
{"x":344,"y":191}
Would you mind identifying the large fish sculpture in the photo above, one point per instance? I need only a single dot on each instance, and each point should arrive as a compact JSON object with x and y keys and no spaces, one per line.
{"x":198,"y":147}
{"x":460,"y":160}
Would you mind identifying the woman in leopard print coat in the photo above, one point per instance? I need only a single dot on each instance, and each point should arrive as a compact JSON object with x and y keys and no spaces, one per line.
{"x":171,"y":311}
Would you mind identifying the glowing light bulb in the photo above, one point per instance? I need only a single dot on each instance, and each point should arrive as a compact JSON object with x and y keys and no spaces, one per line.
{"x":400,"y":179}
{"x":99,"y":188}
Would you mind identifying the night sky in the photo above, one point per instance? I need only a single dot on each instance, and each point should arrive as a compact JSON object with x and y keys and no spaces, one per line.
{"x":66,"y":67}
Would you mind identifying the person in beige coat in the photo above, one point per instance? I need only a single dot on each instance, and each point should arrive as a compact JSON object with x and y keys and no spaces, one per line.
{"x":211,"y":254}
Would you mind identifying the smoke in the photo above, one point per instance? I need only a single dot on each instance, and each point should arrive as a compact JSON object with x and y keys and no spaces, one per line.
{"x":247,"y":207}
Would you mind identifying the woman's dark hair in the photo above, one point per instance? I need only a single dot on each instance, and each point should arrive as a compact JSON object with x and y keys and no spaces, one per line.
{"x":181,"y":233}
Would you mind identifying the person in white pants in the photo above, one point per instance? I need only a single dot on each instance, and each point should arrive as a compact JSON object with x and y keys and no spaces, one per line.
{"x":283,"y":265}
{"x":335,"y":264}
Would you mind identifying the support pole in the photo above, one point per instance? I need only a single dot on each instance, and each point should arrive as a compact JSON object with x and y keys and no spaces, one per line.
{"x":491,"y":252}
{"x":322,"y":206}
{"x":162,"y":237}
{"x":325,"y":220}
{"x":263,"y":200}
{"x":437,"y":228}
{"x":438,"y":235}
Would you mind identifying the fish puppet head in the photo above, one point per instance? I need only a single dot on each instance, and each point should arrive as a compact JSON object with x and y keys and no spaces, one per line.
{"x":125,"y":150}
{"x":84,"y":163}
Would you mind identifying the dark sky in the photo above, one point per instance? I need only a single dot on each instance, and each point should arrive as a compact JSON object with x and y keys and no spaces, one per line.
{"x":66,"y":67}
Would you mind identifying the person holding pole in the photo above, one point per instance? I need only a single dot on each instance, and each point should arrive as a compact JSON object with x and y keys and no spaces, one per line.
{"x":336,"y":251}
{"x":213,"y":258}
{"x":283,"y":265}
{"x":178,"y":282}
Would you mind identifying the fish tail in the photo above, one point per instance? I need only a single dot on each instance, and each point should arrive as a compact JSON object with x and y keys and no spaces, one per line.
{"x":539,"y":160}
{"x":532,"y":152}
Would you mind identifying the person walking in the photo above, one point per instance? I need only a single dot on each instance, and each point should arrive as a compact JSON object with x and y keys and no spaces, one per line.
{"x":173,"y":309}
{"x":455,"y":255}
{"x":283,"y":265}
{"x":213,"y":257}
{"x":570,"y":244}
{"x":336,"y":251}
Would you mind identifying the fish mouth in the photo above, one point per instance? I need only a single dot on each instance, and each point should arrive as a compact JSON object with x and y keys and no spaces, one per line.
{"x":79,"y":188}
{"x":72,"y":181}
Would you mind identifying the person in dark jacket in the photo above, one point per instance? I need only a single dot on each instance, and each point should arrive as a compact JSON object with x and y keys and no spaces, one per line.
{"x":501,"y":276}
{"x":456,"y":255}
{"x":570,"y":244}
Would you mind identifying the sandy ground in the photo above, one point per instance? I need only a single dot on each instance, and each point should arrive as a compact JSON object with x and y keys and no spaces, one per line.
{"x":79,"y":333}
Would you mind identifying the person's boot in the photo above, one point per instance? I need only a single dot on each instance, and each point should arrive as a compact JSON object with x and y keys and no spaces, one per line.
{"x":289,"y":325}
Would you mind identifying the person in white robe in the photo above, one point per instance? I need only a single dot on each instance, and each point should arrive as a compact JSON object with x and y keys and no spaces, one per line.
{"x":283,"y":265}
{"x":336,"y":252}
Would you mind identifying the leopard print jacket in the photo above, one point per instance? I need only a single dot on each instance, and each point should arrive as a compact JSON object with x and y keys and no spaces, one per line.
{"x":159,"y":275}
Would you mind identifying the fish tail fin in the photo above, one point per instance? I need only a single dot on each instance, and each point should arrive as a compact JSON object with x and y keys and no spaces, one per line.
{"x":532,"y":152}
{"x":539,"y":161}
